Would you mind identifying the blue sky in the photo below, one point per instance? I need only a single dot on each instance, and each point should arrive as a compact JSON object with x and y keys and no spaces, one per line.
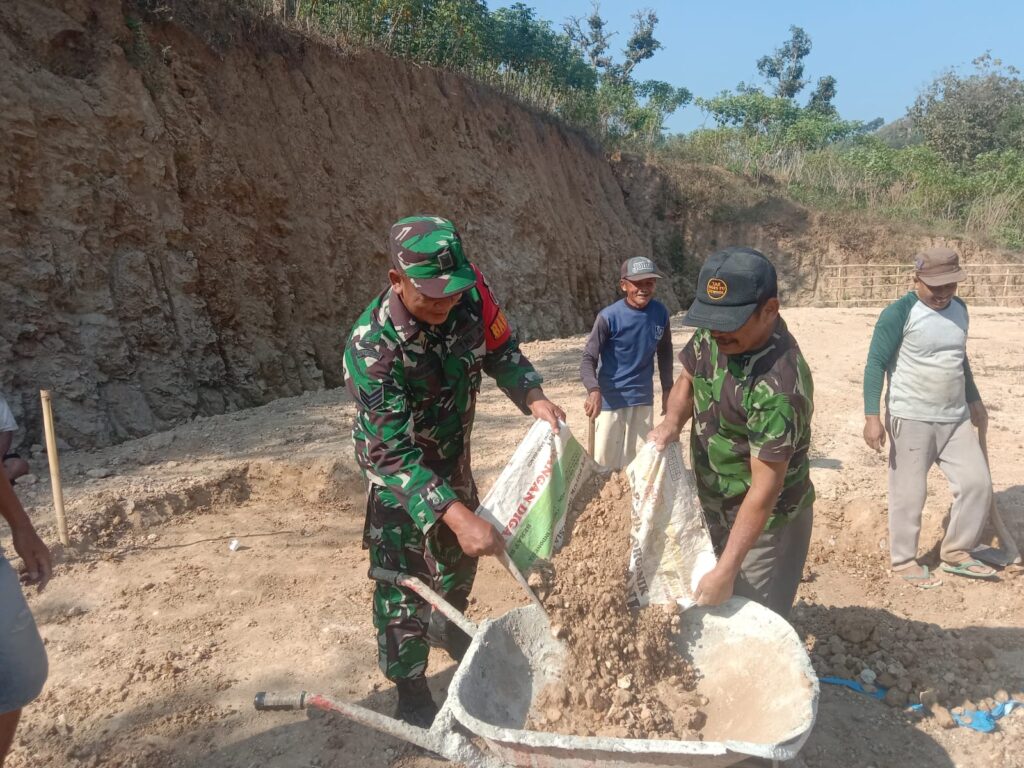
{"x":881,"y":53}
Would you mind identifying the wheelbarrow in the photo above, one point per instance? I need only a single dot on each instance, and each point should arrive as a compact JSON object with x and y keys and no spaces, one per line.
{"x":754,"y":671}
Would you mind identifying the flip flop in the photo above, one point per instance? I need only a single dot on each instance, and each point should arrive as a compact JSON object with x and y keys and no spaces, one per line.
{"x":926,"y":578}
{"x":964,"y":567}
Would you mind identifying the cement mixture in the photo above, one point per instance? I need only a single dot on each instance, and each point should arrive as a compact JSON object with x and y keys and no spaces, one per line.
{"x":623,"y":677}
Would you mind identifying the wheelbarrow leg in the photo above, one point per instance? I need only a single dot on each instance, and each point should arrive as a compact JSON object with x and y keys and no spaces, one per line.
{"x":443,"y":738}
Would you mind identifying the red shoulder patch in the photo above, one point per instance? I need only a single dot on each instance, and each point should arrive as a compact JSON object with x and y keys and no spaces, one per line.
{"x":496,"y":328}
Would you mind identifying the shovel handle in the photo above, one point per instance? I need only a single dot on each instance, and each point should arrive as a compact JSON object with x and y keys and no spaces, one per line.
{"x":506,"y":561}
{"x":432,"y":597}
{"x":1006,"y":539}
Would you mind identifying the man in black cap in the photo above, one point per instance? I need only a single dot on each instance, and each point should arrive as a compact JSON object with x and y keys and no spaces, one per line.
{"x":626,"y":338}
{"x":749,"y":391}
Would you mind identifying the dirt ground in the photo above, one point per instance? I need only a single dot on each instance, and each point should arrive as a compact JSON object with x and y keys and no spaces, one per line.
{"x":159,"y":634}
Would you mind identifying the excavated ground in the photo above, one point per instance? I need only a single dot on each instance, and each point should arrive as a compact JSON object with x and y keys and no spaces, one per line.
{"x":159,"y":634}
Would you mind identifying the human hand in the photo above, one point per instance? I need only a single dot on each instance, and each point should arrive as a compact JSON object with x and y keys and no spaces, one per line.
{"x":542,"y":408}
{"x":874,"y":433}
{"x":476,"y":536}
{"x":715,"y":587}
{"x":663,"y":434}
{"x":38,"y":563}
{"x":592,"y":406}
{"x":979,"y":415}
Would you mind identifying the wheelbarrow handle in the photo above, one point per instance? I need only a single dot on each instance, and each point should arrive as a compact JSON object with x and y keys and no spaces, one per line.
{"x":421,"y":589}
{"x":267,"y":701}
{"x":443,"y":737}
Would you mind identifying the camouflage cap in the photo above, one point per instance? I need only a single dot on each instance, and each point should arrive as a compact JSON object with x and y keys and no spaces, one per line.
{"x":429,"y":250}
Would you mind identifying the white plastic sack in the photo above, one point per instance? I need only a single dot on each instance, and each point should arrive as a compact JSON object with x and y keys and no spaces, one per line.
{"x":671,"y":547}
{"x":529,"y":500}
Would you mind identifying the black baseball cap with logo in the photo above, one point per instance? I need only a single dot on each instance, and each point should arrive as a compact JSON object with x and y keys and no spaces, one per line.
{"x":731,"y":285}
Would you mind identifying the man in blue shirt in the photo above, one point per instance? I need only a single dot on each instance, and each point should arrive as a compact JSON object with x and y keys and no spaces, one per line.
{"x":626,"y":338}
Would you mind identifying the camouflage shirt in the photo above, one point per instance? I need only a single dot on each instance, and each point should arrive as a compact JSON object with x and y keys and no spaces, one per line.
{"x":757,"y":404}
{"x":415,"y":388}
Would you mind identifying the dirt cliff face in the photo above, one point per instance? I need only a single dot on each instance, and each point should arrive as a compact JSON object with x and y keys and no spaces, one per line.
{"x":193,"y":208}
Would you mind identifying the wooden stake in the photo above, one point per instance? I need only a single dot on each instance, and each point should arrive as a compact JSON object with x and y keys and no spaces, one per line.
{"x":54,"y":459}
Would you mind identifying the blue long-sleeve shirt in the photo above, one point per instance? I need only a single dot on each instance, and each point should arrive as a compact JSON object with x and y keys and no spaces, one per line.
{"x":626,"y":340}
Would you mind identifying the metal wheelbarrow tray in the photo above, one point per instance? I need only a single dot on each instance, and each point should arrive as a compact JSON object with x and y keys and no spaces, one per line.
{"x":762,"y":693}
{"x":755,"y":672}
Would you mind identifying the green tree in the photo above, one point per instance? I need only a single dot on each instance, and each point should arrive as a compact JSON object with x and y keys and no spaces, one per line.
{"x":785,"y":67}
{"x":520,"y":41}
{"x":626,"y":108}
{"x":822,"y":95}
{"x":963,"y":116}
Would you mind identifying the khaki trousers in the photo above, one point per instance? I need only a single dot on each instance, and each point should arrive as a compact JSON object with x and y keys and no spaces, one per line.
{"x":618,"y":433}
{"x":913,"y":447}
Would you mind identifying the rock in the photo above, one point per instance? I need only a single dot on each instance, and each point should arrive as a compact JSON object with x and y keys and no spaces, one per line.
{"x":853,"y":628}
{"x":894,"y":697}
{"x":888,"y":680}
{"x":98,"y":473}
{"x":943,"y":717}
{"x":868,"y":676}
{"x":1002,"y":696}
{"x":36,"y":448}
{"x":687,"y":717}
{"x":553,"y":714}
{"x":28,"y":480}
{"x":159,"y":441}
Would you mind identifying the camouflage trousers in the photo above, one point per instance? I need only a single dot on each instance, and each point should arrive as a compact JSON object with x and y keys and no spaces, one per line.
{"x":400,"y":616}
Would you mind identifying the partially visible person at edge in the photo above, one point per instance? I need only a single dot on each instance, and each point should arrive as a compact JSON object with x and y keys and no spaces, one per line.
{"x":749,"y":391}
{"x":23,"y":666}
{"x":413,"y":365}
{"x":920,"y":344}
{"x":13,"y":465}
{"x":626,"y":338}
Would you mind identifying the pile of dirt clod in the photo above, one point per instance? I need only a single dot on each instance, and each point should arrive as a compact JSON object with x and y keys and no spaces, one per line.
{"x":906,"y":658}
{"x":624,"y":677}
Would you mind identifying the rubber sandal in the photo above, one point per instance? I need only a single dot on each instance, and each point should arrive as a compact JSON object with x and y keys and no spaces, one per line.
{"x":964,"y":569}
{"x":927,"y":579}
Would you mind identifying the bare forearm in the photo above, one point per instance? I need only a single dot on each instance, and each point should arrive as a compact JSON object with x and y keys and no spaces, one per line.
{"x":680,"y":402}
{"x":6,"y":438}
{"x":757,"y":506}
{"x":10,"y":507}
{"x":750,"y":522}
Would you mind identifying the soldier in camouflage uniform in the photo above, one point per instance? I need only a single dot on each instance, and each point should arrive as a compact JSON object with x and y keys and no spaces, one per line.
{"x":413,"y":364}
{"x":749,"y":391}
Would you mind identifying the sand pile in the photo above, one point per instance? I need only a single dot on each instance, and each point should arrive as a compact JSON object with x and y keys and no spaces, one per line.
{"x":623,"y":677}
